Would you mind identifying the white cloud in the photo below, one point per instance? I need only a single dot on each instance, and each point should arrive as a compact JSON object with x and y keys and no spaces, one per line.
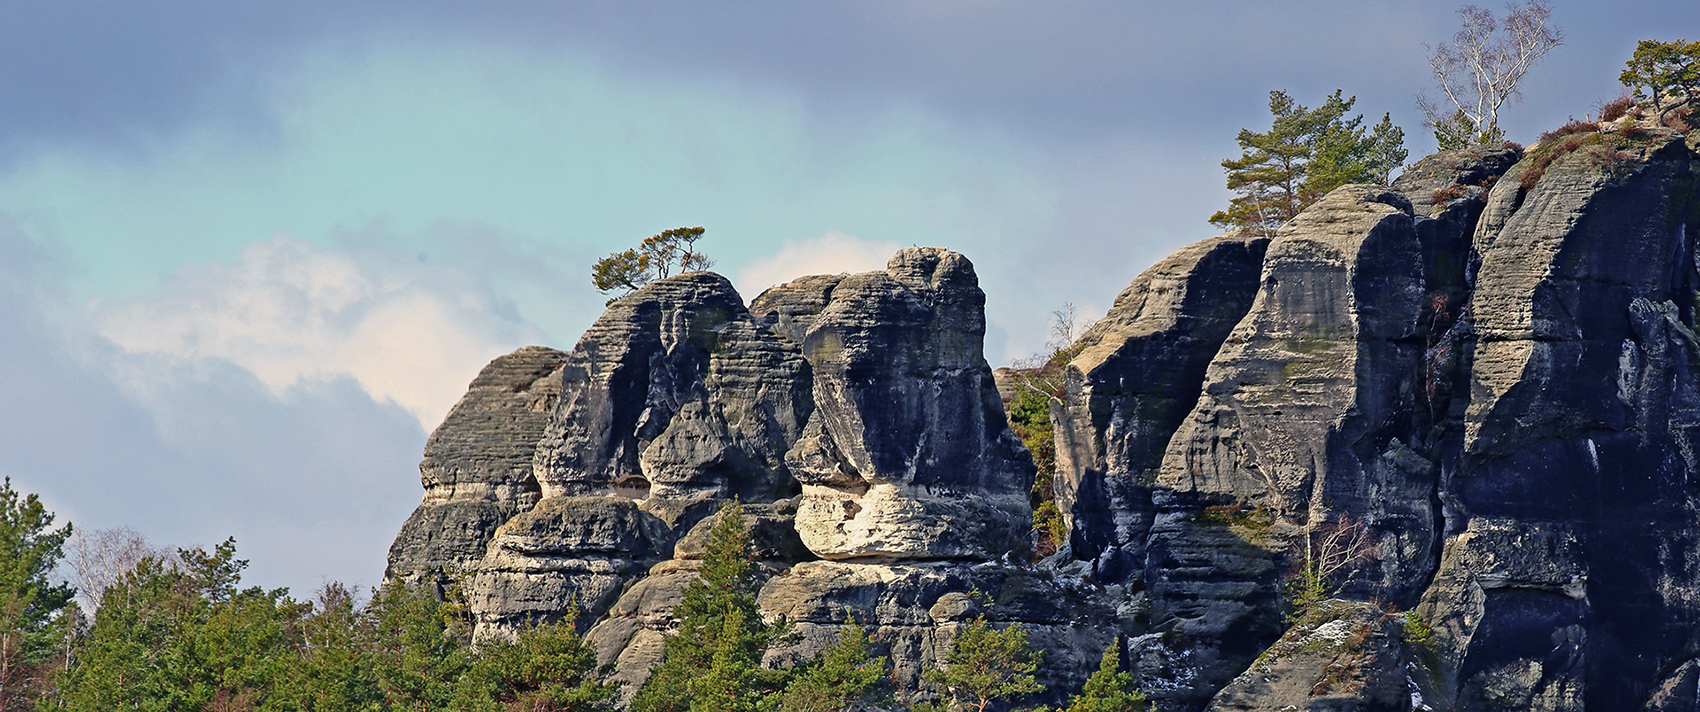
{"x":831,"y":253}
{"x":293,"y":314}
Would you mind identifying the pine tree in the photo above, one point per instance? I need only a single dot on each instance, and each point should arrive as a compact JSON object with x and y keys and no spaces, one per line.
{"x":843,"y":677}
{"x":987,"y":665}
{"x":657,"y":257}
{"x":715,"y":659}
{"x":1109,"y":690}
{"x":1305,"y":153}
{"x":548,"y":668}
{"x":29,"y":602}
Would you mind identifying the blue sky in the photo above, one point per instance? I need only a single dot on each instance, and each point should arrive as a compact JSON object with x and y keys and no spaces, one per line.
{"x":251,"y":253}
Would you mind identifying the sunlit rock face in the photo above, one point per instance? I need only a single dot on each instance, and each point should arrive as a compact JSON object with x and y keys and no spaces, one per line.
{"x":674,"y":401}
{"x":477,"y":467}
{"x":908,"y":454}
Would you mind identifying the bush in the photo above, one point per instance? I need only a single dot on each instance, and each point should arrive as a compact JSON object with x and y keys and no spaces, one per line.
{"x":1616,"y":108}
{"x":1572,"y":127}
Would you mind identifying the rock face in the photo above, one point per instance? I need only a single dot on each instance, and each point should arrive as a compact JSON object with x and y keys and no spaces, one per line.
{"x":908,"y":455}
{"x":1430,"y":446}
{"x":1137,"y":375}
{"x":1477,"y":397}
{"x":853,"y":415}
{"x":676,"y":399}
{"x":477,"y":467}
{"x":1343,"y":655}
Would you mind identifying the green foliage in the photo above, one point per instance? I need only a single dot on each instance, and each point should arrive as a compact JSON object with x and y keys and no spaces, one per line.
{"x":1305,"y":153}
{"x":987,"y":665}
{"x":843,"y":677}
{"x":1661,"y":68}
{"x":1458,"y":131}
{"x":549,"y":668}
{"x":1109,"y":689}
{"x":1030,"y":419}
{"x":657,"y":257}
{"x":183,"y":637}
{"x":714,"y":662}
{"x":30,"y":602}
{"x":1415,"y":631}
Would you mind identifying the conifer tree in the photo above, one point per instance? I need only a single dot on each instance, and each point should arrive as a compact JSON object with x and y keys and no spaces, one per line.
{"x":843,"y":677}
{"x":714,"y":662}
{"x":29,"y":601}
{"x":987,"y":665}
{"x":1304,"y":154}
{"x":1109,"y":689}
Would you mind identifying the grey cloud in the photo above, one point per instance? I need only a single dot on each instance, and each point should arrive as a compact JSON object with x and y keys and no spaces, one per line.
{"x":313,"y":485}
{"x":113,"y":73}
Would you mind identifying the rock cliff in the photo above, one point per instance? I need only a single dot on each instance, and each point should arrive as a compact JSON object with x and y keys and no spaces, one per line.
{"x":854,"y":415}
{"x":1427,"y":446}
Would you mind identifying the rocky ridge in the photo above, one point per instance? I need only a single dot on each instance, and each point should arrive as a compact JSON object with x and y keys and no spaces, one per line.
{"x":1470,"y":399}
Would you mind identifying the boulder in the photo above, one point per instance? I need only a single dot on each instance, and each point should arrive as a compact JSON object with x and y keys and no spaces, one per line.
{"x":1345,"y":656}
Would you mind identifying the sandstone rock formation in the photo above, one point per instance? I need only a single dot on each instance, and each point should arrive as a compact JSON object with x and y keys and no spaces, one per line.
{"x":477,"y":467}
{"x":855,"y":417}
{"x":1136,"y":375}
{"x":1469,"y":400}
{"x":908,"y":455}
{"x":1490,"y":379}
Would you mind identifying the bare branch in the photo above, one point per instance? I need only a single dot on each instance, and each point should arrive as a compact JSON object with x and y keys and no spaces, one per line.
{"x":1481,"y":68}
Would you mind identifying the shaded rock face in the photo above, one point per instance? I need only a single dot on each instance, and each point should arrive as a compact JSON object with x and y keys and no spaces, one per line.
{"x":1138,"y":373}
{"x":1494,"y":384}
{"x":676,"y":395}
{"x":1580,"y":431}
{"x":674,"y":400}
{"x":477,"y":467}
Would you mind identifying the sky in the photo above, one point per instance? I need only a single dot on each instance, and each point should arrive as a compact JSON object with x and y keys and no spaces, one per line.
{"x":252,"y":253}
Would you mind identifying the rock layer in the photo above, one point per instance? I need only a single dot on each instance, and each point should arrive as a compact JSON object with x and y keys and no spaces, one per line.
{"x":853,"y":415}
{"x":477,"y":467}
{"x":908,"y":455}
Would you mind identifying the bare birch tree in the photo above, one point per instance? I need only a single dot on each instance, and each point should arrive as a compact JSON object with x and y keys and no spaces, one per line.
{"x":1479,"y":70}
{"x":99,"y":560}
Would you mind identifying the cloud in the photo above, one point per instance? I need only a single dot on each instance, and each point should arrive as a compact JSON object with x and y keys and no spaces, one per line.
{"x":291,"y":314}
{"x":831,"y":253}
{"x":313,"y":484}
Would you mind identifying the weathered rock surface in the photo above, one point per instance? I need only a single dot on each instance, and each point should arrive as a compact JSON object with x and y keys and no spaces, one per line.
{"x":477,"y":467}
{"x":856,"y":419}
{"x":908,"y":455}
{"x":1323,"y":410}
{"x":1579,"y":432}
{"x":1137,"y":374}
{"x":1473,"y":397}
{"x":1344,"y":655}
{"x":913,"y":610}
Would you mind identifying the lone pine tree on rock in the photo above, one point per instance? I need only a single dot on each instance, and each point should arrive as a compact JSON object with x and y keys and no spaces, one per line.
{"x":659,"y":256}
{"x":1304,"y":154}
